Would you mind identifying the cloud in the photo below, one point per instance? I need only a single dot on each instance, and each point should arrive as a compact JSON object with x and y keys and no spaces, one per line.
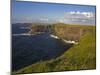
{"x":77,"y":17}
{"x":44,"y":19}
{"x":78,"y":14}
{"x":61,"y":20}
{"x":88,"y":14}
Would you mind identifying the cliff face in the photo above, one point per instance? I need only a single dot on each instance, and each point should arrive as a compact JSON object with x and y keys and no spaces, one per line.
{"x":64,"y":31}
{"x":68,"y":33}
{"x":71,"y":32}
{"x":35,"y":29}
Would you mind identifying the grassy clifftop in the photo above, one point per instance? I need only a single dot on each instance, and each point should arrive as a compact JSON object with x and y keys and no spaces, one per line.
{"x":80,"y":57}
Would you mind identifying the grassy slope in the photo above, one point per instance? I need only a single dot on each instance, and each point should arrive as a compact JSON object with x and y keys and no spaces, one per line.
{"x":80,"y":56}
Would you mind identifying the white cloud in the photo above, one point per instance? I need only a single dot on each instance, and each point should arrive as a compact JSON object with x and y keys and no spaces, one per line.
{"x":75,"y":12}
{"x":44,"y":19}
{"x":61,"y":20}
{"x":88,"y":14}
{"x":78,"y":17}
{"x":78,"y":14}
{"x":72,"y":12}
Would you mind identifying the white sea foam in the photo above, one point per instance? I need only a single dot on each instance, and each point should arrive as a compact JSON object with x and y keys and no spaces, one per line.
{"x":56,"y":37}
{"x":69,"y":41}
{"x":66,"y":41}
{"x":23,"y":34}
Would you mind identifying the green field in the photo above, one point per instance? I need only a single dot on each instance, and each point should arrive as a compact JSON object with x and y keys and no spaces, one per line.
{"x":81,"y":56}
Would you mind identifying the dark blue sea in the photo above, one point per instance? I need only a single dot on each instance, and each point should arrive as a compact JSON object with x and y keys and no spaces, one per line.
{"x":27,"y":50}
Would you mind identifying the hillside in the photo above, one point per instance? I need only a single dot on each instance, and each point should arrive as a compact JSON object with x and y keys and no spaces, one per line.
{"x":79,"y":57}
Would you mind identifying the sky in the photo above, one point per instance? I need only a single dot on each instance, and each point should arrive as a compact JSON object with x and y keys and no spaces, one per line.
{"x":37,"y":12}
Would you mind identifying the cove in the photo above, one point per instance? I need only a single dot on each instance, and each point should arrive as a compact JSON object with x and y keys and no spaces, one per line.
{"x":27,"y":50}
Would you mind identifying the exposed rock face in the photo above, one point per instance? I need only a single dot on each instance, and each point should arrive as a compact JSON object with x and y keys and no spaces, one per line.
{"x":64,"y":31}
{"x":37,"y":29}
{"x":68,"y":33}
{"x":71,"y":32}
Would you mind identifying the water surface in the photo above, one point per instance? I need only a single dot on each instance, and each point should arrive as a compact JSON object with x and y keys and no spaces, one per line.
{"x":27,"y":50}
